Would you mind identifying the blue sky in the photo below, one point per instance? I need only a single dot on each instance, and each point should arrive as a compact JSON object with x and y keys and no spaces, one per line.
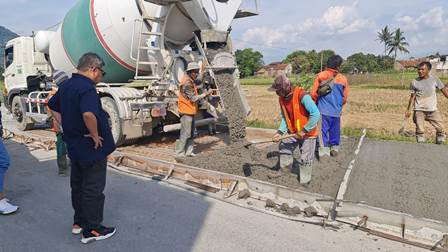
{"x":345,"y":26}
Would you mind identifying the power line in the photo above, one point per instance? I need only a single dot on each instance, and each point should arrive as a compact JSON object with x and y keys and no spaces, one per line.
{"x":53,"y":26}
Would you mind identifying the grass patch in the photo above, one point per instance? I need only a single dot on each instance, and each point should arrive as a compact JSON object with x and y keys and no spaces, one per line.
{"x":351,"y":132}
{"x":305,"y":81}
{"x":257,"y":81}
{"x":357,"y":132}
{"x":381,"y":86}
{"x":389,"y":137}
{"x":357,"y":106}
{"x":261,"y":124}
{"x":394,"y":79}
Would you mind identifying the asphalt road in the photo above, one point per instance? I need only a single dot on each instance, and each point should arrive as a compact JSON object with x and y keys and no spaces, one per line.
{"x":153,"y":217}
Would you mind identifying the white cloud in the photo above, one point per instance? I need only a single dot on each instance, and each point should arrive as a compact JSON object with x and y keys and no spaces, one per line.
{"x":407,"y":23}
{"x":433,"y":19}
{"x":335,"y":21}
{"x":426,"y":31}
{"x":268,"y":36}
{"x":337,"y":17}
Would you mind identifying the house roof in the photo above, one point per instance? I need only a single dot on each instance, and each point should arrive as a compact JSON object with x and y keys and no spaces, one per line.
{"x":410,"y":63}
{"x":276,"y":66}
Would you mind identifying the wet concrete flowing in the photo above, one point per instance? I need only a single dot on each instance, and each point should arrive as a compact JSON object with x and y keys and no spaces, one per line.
{"x":262,"y":164}
{"x":232,"y":104}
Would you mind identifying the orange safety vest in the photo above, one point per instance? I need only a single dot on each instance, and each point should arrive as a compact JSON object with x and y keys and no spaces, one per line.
{"x":300,"y":114}
{"x":186,"y":106}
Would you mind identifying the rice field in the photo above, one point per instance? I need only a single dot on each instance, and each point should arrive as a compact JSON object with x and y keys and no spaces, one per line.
{"x":377,"y":105}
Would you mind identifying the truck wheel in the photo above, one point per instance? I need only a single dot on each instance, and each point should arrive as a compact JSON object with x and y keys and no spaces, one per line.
{"x":111,"y":110}
{"x":19,"y":114}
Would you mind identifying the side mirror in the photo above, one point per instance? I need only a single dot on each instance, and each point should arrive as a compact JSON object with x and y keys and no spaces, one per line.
{"x":3,"y":74}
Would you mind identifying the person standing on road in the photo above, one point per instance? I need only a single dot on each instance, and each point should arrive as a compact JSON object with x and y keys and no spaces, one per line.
{"x":300,"y":117}
{"x":424,"y":100}
{"x":188,"y":101}
{"x":6,"y":207}
{"x":89,"y":140}
{"x":330,"y":91}
{"x":61,"y":150}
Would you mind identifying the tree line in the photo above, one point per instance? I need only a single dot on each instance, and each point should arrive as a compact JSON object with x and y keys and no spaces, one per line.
{"x":311,"y":62}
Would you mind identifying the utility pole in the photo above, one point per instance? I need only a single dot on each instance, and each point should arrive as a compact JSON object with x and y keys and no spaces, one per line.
{"x":321,"y":61}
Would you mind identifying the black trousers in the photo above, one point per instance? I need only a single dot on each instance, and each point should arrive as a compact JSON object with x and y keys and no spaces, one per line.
{"x":87,"y":182}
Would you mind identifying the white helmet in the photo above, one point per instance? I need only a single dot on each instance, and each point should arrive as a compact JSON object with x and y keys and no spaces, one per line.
{"x":192,"y":66}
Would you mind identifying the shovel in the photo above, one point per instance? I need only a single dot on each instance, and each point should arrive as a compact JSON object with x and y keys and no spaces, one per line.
{"x":403,"y":132}
{"x":403,"y":125}
{"x":271,"y":140}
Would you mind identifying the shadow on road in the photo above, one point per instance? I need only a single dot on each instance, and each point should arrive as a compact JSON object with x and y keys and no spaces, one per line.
{"x":149,"y":216}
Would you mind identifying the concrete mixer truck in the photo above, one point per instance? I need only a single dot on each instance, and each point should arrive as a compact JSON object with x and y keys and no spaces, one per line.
{"x":146,"y":45}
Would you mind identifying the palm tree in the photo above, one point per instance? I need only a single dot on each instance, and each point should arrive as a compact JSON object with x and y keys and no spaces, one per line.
{"x":398,"y":43}
{"x":385,"y":36}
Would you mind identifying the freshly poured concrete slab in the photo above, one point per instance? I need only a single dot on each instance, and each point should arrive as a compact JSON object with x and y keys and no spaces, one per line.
{"x":404,"y":177}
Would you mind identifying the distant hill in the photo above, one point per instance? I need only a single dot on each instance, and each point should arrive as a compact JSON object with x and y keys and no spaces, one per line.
{"x":5,"y":36}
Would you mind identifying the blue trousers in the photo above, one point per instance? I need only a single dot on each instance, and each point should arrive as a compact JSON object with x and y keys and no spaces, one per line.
{"x":331,"y":130}
{"x":4,"y":163}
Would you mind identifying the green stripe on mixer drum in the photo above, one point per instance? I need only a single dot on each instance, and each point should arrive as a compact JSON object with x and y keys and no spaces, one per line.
{"x":80,"y":37}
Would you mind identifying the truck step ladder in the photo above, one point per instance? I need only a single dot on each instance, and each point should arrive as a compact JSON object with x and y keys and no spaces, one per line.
{"x":143,"y":45}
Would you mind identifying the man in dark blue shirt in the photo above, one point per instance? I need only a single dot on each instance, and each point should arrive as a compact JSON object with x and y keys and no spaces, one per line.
{"x":77,"y":106}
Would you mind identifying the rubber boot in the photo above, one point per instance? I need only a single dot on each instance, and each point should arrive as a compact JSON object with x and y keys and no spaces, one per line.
{"x":180,"y":149}
{"x":63,"y":169}
{"x":324,"y":151}
{"x":190,"y":148}
{"x":211,"y":129}
{"x":286,"y":162}
{"x":420,"y":139}
{"x":305,"y":174}
{"x":440,"y":139}
{"x":334,"y":150}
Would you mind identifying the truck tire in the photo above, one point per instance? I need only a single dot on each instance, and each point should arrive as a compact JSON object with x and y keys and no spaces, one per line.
{"x":111,"y":110}
{"x":19,"y":114}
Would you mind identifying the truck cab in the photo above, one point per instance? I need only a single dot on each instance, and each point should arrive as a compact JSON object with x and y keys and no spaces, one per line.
{"x":25,"y":68}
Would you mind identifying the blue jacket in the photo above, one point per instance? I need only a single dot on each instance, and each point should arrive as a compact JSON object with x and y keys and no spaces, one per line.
{"x":332,"y":103}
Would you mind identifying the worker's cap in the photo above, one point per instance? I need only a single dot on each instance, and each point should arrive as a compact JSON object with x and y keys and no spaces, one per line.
{"x":281,"y":82}
{"x":192,"y":66}
{"x":59,"y":76}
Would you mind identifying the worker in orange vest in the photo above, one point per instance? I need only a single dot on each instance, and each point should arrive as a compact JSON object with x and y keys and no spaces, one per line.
{"x":61,"y":150}
{"x":300,"y":117}
{"x":188,"y":101}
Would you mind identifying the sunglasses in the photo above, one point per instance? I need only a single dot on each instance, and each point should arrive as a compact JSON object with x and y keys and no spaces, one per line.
{"x":102,"y":71}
